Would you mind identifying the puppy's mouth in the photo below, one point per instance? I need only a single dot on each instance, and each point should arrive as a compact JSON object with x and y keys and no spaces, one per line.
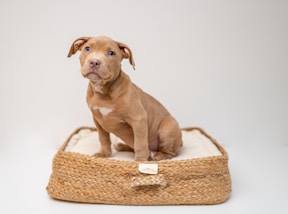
{"x":93,"y":76}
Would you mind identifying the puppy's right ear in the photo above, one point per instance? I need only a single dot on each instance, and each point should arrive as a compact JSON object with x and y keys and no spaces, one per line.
{"x":77,"y":44}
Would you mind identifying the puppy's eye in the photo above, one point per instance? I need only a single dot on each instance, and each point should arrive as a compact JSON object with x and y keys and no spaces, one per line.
{"x":87,"y":48}
{"x":111,"y":53}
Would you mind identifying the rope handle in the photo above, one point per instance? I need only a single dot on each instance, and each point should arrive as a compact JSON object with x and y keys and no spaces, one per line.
{"x":148,"y":182}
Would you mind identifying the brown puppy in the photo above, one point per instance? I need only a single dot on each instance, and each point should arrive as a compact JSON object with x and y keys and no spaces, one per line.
{"x":120,"y":107}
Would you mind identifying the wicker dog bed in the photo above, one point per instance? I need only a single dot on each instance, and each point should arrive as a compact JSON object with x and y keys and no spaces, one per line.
{"x":200,"y":176}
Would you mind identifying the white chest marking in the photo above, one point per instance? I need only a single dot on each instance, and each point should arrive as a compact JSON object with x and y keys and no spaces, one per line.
{"x":104,"y":111}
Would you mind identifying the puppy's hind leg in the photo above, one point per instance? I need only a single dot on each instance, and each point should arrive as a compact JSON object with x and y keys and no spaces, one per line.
{"x":170,"y":140}
{"x":121,"y":147}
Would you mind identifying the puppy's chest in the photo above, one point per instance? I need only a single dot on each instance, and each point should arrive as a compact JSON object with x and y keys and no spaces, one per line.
{"x":100,"y":109}
{"x":104,"y":111}
{"x":108,"y":118}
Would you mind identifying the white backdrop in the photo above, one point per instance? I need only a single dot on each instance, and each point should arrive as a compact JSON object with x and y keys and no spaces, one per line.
{"x":221,"y":65}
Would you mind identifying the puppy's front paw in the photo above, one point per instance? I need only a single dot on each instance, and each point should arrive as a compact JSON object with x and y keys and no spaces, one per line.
{"x":141,"y":158}
{"x":101,"y":155}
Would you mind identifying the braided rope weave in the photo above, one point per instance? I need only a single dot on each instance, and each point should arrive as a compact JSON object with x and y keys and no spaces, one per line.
{"x":82,"y":178}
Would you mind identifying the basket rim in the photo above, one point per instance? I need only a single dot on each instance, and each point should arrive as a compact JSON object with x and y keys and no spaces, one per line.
{"x":224,"y":154}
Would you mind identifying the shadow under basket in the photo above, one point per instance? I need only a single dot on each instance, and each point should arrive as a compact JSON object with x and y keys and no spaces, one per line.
{"x":83,"y":178}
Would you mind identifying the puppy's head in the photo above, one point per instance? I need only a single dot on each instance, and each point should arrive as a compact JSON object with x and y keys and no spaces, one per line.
{"x":101,"y":57}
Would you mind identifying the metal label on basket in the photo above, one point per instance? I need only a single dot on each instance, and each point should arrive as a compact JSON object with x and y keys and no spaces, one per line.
{"x":151,"y":169}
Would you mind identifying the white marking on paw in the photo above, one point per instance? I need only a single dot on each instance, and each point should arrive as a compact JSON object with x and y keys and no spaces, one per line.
{"x":104,"y":111}
{"x":152,"y":155}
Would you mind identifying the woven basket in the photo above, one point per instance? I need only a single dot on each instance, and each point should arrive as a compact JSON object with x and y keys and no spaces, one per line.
{"x":82,"y":178}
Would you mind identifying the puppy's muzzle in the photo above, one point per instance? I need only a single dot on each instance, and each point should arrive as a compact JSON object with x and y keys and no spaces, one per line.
{"x":94,"y":63}
{"x":92,"y":70}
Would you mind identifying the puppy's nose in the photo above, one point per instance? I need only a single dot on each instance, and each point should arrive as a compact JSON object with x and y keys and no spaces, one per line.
{"x":94,"y":63}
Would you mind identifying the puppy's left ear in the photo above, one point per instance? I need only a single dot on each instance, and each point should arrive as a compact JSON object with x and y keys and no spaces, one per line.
{"x":126,"y":53}
{"x":77,"y":44}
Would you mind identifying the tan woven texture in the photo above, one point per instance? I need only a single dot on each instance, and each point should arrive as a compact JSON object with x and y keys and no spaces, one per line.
{"x":81,"y":178}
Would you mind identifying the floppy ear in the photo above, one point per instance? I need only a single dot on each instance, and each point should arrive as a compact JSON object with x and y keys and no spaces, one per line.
{"x":126,"y":53}
{"x":77,"y":44}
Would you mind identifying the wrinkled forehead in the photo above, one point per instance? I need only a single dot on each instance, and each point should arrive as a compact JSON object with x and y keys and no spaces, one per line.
{"x":102,"y":43}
